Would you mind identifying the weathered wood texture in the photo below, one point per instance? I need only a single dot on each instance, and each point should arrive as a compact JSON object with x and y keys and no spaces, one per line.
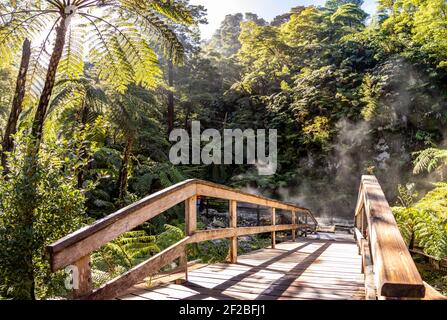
{"x":112,"y":288}
{"x":273,"y":224}
{"x":84,"y":278}
{"x":82,"y":242}
{"x":76,"y":247}
{"x":302,"y":270}
{"x":233,"y":224}
{"x":191,"y":215}
{"x":213,"y":234}
{"x":395,"y":273}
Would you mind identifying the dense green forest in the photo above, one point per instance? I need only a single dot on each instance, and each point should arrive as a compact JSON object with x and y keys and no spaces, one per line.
{"x":89,"y":92}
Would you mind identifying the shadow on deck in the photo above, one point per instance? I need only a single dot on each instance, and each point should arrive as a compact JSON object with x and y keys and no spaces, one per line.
{"x":306,"y":269}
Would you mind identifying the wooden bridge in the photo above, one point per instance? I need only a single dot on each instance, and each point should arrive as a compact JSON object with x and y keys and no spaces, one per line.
{"x":373,"y":264}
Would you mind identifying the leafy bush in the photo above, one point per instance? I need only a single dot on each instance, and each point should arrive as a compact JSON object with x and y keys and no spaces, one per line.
{"x":427,"y":218}
{"x":36,"y":208}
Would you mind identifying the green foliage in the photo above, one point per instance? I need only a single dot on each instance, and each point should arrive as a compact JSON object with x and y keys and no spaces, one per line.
{"x":429,"y":160}
{"x":121,"y":254}
{"x":59,"y":210}
{"x":428,"y":220}
{"x":170,"y":236}
{"x":346,"y":98}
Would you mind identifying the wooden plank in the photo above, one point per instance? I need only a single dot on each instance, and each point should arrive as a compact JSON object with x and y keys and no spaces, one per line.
{"x":293,"y":222}
{"x":84,"y":277}
{"x":205,"y":235}
{"x":233,"y":224}
{"x":191,"y":215}
{"x":87,"y":240}
{"x":432,"y":294}
{"x":208,"y":189}
{"x":257,"y":279}
{"x":273,"y":224}
{"x":84,"y":241}
{"x":368,"y":270}
{"x":183,"y":264}
{"x":112,"y":218}
{"x":358,"y":237}
{"x":395,"y":271}
{"x":265,"y":280}
{"x":112,"y":288}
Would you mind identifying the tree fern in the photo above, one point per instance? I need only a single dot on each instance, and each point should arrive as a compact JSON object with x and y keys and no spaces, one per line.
{"x":427,"y":218}
{"x":430,"y":160}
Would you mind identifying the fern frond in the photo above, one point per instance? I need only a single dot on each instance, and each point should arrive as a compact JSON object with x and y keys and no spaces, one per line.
{"x":121,"y":54}
{"x":429,"y":160}
{"x":19,"y":27}
{"x":71,"y":65}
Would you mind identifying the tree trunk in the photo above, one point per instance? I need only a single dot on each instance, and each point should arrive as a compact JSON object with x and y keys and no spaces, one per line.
{"x":411,"y":245}
{"x":170,"y":96}
{"x":83,"y":151}
{"x":30,"y":166}
{"x":17,"y":103}
{"x":50,"y":79}
{"x":122,"y":178}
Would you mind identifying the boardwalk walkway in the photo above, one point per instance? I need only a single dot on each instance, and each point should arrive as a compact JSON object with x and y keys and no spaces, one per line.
{"x":305,"y":269}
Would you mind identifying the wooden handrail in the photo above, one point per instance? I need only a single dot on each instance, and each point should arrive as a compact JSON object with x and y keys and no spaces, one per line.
{"x":76,"y":247}
{"x":387,"y":263}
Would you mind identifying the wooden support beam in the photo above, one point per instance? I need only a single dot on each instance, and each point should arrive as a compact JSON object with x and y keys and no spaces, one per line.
{"x":293,"y":222}
{"x":86,"y":240}
{"x":209,"y":189}
{"x":368,"y":271}
{"x":190,"y":226}
{"x":358,"y":237}
{"x":183,"y":266}
{"x":273,"y":232}
{"x":83,"y":283}
{"x":191,"y":215}
{"x":75,"y":248}
{"x":233,"y":224}
{"x":138,"y":273}
{"x":395,"y":273}
{"x":213,"y":234}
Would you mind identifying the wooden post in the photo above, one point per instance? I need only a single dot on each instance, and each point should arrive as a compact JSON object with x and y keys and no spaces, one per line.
{"x":273,"y":223}
{"x":365,"y":224}
{"x":191,"y":215}
{"x":233,"y":224}
{"x":190,"y":226}
{"x":183,"y":263}
{"x":84,"y":278}
{"x":293,"y":222}
{"x":305,"y":228}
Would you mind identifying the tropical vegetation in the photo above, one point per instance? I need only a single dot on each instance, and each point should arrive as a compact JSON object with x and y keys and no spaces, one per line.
{"x":91,"y":89}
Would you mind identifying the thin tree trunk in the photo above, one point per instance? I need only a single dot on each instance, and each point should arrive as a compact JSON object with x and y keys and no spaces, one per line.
{"x":411,"y":245}
{"x":34,"y":146}
{"x":170,"y":96}
{"x":17,"y":103}
{"x":83,"y":151}
{"x":50,"y":80}
{"x":124,"y":170}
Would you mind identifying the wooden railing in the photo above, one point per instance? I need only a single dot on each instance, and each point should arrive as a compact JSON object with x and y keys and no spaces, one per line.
{"x":387,"y":264}
{"x":75,"y":249}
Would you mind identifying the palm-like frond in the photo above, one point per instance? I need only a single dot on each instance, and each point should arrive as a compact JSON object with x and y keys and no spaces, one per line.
{"x":15,"y":28}
{"x":430,"y":160}
{"x":77,"y":92}
{"x":121,"y":54}
{"x":122,"y":35}
{"x":71,"y":65}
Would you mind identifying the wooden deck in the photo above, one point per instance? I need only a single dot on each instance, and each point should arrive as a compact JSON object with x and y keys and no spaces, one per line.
{"x":377,"y":265}
{"x":320,"y":268}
